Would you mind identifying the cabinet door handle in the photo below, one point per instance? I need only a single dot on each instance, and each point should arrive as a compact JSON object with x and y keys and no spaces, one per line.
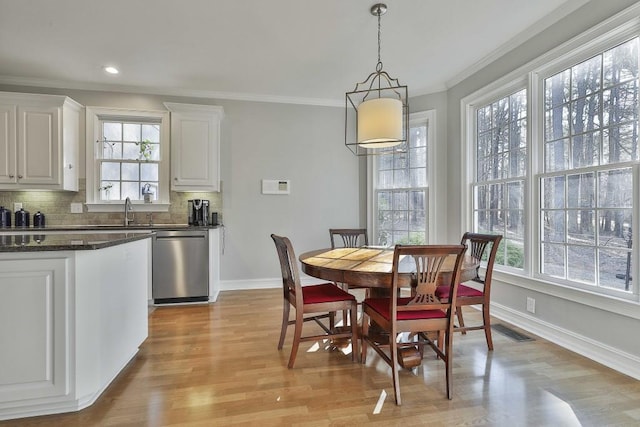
{"x":11,"y":176}
{"x":19,"y":176}
{"x":70,"y":166}
{"x":175,"y":179}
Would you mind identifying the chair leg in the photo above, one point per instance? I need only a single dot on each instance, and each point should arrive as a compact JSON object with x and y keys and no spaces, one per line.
{"x":344,"y":287}
{"x":355,"y":353}
{"x":486,"y":318}
{"x":363,"y":341}
{"x":441,"y":340}
{"x":460,"y":319}
{"x":393,"y":348}
{"x":285,"y":323}
{"x":297,"y":334}
{"x":448,"y":365}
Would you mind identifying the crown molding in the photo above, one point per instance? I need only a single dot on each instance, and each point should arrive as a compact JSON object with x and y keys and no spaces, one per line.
{"x":538,"y":27}
{"x":146,"y":90}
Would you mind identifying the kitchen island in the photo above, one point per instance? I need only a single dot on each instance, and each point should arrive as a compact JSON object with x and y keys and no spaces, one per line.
{"x":73,"y":313}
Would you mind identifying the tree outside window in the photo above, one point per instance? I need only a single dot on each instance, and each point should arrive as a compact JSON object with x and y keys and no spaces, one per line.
{"x":501,"y":161}
{"x":587,"y":189}
{"x":401,"y":192}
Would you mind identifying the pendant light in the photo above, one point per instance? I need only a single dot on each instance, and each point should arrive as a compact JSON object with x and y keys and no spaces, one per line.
{"x":377,"y":110}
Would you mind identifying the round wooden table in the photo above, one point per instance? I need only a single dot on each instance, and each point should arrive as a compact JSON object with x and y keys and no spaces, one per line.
{"x":371,"y":267}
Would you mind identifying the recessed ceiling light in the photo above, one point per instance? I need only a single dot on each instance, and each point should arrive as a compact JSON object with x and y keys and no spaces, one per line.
{"x":111,"y":70}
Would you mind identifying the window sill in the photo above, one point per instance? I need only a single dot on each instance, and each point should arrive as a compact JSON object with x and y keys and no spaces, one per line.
{"x":119,"y":207}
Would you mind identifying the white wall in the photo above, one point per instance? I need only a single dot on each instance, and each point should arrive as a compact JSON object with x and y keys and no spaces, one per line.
{"x":303,"y":144}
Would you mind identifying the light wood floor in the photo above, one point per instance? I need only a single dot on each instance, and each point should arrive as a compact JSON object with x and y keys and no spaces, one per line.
{"x":218,"y":365}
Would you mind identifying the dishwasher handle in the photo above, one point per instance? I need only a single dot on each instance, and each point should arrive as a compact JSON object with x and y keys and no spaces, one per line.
{"x":181,"y":237}
{"x":182,"y":234}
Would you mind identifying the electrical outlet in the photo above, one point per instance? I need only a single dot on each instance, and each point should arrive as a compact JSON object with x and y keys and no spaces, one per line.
{"x":531,"y":305}
{"x":17,"y":206}
{"x":76,"y":207}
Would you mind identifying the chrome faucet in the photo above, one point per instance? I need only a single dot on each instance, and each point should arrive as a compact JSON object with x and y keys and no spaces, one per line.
{"x":127,"y":208}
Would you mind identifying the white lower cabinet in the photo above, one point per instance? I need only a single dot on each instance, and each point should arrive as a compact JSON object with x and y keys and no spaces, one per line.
{"x":69,"y":323}
{"x":34,"y":300}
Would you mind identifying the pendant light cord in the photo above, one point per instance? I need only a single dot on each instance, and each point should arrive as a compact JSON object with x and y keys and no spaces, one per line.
{"x":379,"y":64}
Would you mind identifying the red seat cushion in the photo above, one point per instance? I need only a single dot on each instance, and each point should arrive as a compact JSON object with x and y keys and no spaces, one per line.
{"x":326,"y":292}
{"x":442,"y":292}
{"x":381,"y":305}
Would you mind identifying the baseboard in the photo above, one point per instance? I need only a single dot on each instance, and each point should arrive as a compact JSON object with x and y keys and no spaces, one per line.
{"x":240,"y":285}
{"x":611,"y":357}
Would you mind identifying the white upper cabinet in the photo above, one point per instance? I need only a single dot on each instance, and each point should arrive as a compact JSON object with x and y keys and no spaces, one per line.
{"x":39,"y":142}
{"x":195,"y":147}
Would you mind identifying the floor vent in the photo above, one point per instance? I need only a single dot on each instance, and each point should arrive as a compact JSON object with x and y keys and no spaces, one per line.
{"x":505,"y":330}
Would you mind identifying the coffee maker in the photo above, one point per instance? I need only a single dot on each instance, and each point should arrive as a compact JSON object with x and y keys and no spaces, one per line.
{"x":198,"y":212}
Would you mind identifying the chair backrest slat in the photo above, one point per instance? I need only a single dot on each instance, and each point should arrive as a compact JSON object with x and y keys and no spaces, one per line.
{"x":478,"y":244}
{"x":428,"y":260}
{"x":351,"y":237}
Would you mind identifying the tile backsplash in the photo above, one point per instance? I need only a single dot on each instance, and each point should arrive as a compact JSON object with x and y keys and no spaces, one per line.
{"x":56,"y":205}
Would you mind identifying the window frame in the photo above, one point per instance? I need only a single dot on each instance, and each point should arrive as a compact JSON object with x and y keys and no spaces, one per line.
{"x":538,"y":76}
{"x":470,"y":161}
{"x":504,"y":182}
{"x":94,"y":117}
{"x":594,"y":41}
{"x":427,"y":118}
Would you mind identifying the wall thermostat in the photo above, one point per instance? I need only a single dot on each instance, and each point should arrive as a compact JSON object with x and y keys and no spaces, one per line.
{"x":276,"y":186}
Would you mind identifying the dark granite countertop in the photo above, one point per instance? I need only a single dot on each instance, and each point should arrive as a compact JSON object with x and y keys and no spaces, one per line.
{"x":102,"y":227}
{"x":30,"y":240}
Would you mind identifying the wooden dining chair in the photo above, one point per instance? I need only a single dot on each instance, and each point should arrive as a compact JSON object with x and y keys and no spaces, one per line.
{"x":319,"y":301}
{"x":420,"y":314}
{"x":477,"y":245}
{"x":351,"y":237}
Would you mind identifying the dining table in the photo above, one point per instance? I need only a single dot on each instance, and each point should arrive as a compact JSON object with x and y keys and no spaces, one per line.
{"x":371,"y":267}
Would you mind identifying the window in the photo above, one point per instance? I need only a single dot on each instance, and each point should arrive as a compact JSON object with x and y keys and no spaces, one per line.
{"x":554,"y":165}
{"x":587,"y":188}
{"x":127,"y":157}
{"x":400,"y":190}
{"x":501,"y":159}
{"x":129,"y":160}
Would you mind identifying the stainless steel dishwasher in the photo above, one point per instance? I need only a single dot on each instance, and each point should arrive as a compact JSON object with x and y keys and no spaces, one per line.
{"x":180,"y":266}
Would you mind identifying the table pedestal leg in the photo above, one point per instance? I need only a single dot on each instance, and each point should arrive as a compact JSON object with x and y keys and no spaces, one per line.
{"x":408,"y":357}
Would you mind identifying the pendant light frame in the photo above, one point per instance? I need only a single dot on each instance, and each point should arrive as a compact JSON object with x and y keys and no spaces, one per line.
{"x":378,"y":85}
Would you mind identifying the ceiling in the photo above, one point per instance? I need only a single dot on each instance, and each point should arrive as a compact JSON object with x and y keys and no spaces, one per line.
{"x":280,"y":50}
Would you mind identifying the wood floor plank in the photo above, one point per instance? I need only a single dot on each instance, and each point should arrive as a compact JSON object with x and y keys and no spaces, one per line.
{"x":218,"y":365}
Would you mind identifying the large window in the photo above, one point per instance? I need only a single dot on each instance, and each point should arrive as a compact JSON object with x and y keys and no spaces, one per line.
{"x":127,"y":156}
{"x":501,"y":159}
{"x":400,"y":194}
{"x":587,"y":190}
{"x":554,"y":165}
